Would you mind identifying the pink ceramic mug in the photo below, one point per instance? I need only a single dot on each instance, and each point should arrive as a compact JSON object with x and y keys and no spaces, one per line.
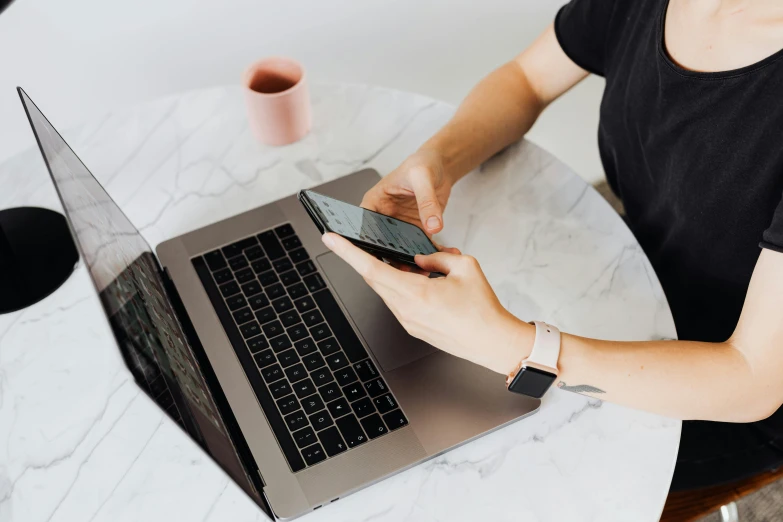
{"x":278,"y":101}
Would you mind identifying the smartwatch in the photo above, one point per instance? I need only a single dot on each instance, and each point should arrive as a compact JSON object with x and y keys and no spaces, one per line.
{"x":536,"y":374}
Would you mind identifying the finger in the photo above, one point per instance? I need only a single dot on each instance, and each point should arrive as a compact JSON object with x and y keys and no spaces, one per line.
{"x":442,"y":262}
{"x":372,"y":269}
{"x":430,"y":212}
{"x":370,"y":201}
{"x":451,"y":250}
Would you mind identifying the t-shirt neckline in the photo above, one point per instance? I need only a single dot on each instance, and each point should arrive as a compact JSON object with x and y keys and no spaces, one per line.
{"x":716,"y":75}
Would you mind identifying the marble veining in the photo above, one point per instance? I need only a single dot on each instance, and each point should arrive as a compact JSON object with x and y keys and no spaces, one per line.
{"x":78,"y":441}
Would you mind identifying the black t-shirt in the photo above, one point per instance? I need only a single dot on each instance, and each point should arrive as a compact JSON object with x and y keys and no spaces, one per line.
{"x":697,"y":158}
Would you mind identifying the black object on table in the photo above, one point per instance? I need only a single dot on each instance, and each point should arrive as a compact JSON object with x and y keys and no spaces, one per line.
{"x":37,"y":255}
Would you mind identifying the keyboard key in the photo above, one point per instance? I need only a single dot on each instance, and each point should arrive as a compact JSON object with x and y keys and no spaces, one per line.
{"x":284,"y":231}
{"x":313,"y":454}
{"x":291,"y":243}
{"x":321,"y":420}
{"x":322,"y":376}
{"x":229,"y":289}
{"x":265,"y":315}
{"x":234,"y":249}
{"x":340,"y":326}
{"x":258,"y":301}
{"x":223,"y":276}
{"x":304,"y":304}
{"x":297,"y":290}
{"x":273,"y":329}
{"x":283,"y":265}
{"x":305,"y":346}
{"x":282,"y":304}
{"x":235,"y":302}
{"x":363,"y":407}
{"x":297,"y":332}
{"x":242,"y":316}
{"x":305,"y":268}
{"x":272,"y":373}
{"x":313,"y":361}
{"x":366,"y":370}
{"x":237,"y":263}
{"x":351,"y":431}
{"x":299,"y":255}
{"x":336,"y":361}
{"x":314,"y":282}
{"x":260,"y":266}
{"x":338,"y":408}
{"x":215,"y":260}
{"x":290,"y":277}
{"x":376,"y":387}
{"x":280,"y":388}
{"x":320,"y":332}
{"x":385,"y":403}
{"x":264,"y":358}
{"x":287,"y":358}
{"x":354,"y":391}
{"x":268,"y":278}
{"x":312,"y":404}
{"x":257,"y":343}
{"x":296,"y":420}
{"x":289,"y":318}
{"x":330,"y":391}
{"x":374,"y":426}
{"x":280,"y":343}
{"x":312,"y":317}
{"x":254,"y":252}
{"x":345,"y":376}
{"x":395,"y":419}
{"x":275,"y":291}
{"x":251,"y":288}
{"x":304,"y":388}
{"x":296,"y":373}
{"x":271,"y":244}
{"x":250,"y":329}
{"x":332,"y":441}
{"x":304,"y":437}
{"x":288,"y":404}
{"x":328,"y":346}
{"x":245,"y":276}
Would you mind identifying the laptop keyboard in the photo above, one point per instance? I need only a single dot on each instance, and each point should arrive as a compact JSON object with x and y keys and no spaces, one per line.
{"x":319,"y":390}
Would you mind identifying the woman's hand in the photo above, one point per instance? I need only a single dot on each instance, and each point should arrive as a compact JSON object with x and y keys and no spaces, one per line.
{"x":459,"y":313}
{"x":416,"y":192}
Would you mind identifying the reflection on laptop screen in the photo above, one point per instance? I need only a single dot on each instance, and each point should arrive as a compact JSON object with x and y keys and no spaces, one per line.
{"x":131,"y":288}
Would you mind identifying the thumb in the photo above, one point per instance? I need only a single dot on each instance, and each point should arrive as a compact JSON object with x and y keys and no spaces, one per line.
{"x":430,"y":212}
{"x":442,"y":262}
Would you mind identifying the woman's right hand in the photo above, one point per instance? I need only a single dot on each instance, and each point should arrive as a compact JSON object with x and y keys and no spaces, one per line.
{"x":417,"y":192}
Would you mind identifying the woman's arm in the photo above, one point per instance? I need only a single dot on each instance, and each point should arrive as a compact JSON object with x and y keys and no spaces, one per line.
{"x":735,"y":381}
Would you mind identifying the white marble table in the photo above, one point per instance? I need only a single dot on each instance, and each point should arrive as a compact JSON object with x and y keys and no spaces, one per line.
{"x":79,"y":441}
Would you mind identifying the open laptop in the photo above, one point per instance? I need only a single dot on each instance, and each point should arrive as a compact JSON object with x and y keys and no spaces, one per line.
{"x":268,"y":350}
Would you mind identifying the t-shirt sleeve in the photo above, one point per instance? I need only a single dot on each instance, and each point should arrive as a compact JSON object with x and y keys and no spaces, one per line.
{"x":773,"y":236}
{"x":582,"y":28}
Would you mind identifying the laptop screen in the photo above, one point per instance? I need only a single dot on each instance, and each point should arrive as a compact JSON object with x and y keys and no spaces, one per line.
{"x":132,"y":291}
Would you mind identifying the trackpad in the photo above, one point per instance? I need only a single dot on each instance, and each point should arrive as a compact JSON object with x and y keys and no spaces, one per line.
{"x":388,"y":340}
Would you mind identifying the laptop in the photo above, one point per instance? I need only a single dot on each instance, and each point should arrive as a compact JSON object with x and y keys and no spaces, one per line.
{"x":269,"y":351}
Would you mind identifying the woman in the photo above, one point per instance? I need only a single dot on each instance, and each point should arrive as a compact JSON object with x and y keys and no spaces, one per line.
{"x":691,"y":139}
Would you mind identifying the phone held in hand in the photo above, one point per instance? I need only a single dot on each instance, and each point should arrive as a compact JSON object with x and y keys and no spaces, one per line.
{"x":380,"y":235}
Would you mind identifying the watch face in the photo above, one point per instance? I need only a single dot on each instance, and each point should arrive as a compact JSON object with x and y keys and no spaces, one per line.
{"x":532,"y":382}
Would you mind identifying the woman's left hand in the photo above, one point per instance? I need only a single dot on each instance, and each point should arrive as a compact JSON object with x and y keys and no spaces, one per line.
{"x":459,"y":313}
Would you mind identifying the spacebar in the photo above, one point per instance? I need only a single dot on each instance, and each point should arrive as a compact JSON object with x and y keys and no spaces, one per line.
{"x":340,"y":326}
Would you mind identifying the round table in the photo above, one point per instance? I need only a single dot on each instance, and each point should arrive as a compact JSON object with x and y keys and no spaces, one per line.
{"x":79,"y":441}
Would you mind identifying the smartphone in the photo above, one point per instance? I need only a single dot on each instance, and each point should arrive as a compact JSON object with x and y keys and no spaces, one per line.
{"x":382,"y":236}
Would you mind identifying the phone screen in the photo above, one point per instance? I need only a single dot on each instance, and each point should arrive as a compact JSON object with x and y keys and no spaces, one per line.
{"x":360,"y":224}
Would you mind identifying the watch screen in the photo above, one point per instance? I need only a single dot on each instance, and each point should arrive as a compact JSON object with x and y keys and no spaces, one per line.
{"x":532,"y":382}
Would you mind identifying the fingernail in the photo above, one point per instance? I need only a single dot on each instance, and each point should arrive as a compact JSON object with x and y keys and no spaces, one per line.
{"x":328,"y":240}
{"x":433,"y":222}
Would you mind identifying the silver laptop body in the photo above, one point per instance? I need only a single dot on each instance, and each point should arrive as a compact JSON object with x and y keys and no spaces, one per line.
{"x":269,"y":350}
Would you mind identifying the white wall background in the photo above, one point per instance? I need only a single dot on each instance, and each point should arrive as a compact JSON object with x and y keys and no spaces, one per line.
{"x":80,"y":58}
